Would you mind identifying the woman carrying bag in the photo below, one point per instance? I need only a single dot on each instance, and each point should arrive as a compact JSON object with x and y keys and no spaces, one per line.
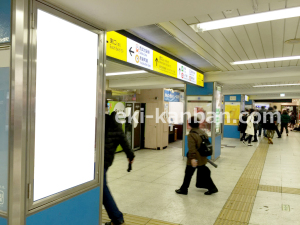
{"x":196,"y":161}
{"x":250,"y":128}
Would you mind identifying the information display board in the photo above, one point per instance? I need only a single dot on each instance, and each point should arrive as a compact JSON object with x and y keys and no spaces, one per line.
{"x":5,"y":6}
{"x":125,"y":49}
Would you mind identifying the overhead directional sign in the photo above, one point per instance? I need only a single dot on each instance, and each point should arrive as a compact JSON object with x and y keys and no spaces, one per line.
{"x":125,"y":49}
{"x":164,"y":64}
{"x":139,"y":54}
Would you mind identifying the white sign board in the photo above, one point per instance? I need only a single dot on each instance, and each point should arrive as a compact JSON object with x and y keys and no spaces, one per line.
{"x":232,"y":98}
{"x":186,"y":74}
{"x":139,"y":55}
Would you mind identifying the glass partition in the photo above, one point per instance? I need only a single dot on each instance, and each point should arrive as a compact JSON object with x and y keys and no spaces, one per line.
{"x":200,"y":106}
{"x":65,"y":108}
{"x":4,"y":125}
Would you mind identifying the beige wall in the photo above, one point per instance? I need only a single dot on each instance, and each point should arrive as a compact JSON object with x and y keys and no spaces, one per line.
{"x":162,"y":129}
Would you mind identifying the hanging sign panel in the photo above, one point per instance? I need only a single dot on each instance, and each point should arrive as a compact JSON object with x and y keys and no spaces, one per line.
{"x":139,"y":54}
{"x":127,"y":50}
{"x":164,"y":65}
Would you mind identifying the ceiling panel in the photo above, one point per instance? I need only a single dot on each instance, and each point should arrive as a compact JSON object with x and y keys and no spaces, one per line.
{"x":161,"y":39}
{"x":253,"y":41}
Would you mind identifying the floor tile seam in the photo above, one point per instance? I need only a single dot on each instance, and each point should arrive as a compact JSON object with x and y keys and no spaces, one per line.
{"x":141,"y":218}
{"x":259,"y":156}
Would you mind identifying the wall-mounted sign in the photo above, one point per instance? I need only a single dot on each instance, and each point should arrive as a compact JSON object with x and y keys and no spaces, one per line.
{"x":232,"y":98}
{"x":246,"y":98}
{"x":5,"y":21}
{"x":125,"y":49}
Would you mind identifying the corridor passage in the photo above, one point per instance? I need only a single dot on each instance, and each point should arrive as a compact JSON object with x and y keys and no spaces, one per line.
{"x":258,"y":185}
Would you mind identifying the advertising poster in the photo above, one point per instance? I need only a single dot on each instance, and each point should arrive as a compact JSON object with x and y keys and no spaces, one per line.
{"x":233,"y":108}
{"x":200,"y":107}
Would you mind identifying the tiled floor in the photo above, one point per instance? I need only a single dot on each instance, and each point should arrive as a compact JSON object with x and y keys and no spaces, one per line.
{"x":148,"y":191}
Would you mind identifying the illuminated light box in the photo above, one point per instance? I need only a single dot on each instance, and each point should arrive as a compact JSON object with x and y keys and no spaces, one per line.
{"x":65,"y":110}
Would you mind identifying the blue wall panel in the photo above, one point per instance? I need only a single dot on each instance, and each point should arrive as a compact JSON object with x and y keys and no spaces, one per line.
{"x":231,"y":131}
{"x":250,"y":102}
{"x":80,"y":210}
{"x":218,"y":140}
{"x":196,"y":90}
{"x":238,"y":98}
{"x":5,"y":21}
{"x":3,"y":221}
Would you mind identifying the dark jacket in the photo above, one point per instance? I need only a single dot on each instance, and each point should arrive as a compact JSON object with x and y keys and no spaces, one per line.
{"x":270,"y":124}
{"x":243,"y":124}
{"x":261,"y":112}
{"x":285,"y":118}
{"x":194,"y":142}
{"x":114,"y":136}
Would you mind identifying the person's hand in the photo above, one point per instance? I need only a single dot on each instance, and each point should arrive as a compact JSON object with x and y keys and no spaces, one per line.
{"x":131,"y":160}
{"x":194,"y":163}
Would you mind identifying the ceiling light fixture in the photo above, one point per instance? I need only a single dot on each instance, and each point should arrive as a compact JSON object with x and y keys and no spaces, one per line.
{"x":126,"y":73}
{"x":248,"y":19}
{"x":266,"y":60}
{"x":282,"y":95}
{"x":276,"y":85}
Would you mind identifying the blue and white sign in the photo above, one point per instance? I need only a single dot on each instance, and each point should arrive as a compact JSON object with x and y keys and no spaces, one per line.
{"x":5,"y":21}
{"x":166,"y":95}
{"x":171,"y":96}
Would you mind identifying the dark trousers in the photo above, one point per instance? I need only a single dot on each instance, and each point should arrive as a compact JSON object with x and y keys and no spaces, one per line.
{"x":277,"y":131}
{"x":203,"y":178}
{"x":109,"y":203}
{"x":260,"y":128}
{"x":284,"y":125}
{"x":249,"y":138}
{"x":243,"y":136}
{"x":255,"y":135}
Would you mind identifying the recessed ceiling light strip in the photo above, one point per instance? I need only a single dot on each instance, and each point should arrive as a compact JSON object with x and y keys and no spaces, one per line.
{"x":126,"y":73}
{"x":276,"y":85}
{"x":266,"y":60}
{"x":247,"y":19}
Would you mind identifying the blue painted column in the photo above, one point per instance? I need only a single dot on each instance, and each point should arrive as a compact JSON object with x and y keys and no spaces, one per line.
{"x":200,"y":93}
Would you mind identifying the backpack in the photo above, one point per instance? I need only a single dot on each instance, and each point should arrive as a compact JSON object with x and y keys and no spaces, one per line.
{"x":206,"y":148}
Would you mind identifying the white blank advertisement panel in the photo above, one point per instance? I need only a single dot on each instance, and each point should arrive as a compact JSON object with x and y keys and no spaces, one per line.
{"x":65,"y":110}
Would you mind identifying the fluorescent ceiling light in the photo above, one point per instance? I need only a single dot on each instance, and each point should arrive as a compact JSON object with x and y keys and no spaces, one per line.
{"x":248,"y":19}
{"x":126,"y":73}
{"x":282,"y":95}
{"x":266,"y":60}
{"x":276,"y":85}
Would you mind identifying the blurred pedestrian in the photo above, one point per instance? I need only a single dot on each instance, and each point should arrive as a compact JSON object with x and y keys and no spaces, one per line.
{"x":285,"y":119}
{"x":250,"y":128}
{"x":114,"y":136}
{"x":270,"y":125}
{"x":196,"y":161}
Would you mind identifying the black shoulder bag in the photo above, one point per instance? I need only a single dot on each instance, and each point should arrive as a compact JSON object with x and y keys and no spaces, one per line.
{"x":205,"y":147}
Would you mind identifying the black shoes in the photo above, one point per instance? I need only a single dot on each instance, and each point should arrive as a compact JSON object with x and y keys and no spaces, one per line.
{"x":111,"y":223}
{"x":209,"y":192}
{"x":181,"y":192}
{"x":255,"y":141}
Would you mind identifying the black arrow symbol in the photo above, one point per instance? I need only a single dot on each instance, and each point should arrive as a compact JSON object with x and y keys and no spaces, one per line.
{"x":156,"y":60}
{"x":130,"y":51}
